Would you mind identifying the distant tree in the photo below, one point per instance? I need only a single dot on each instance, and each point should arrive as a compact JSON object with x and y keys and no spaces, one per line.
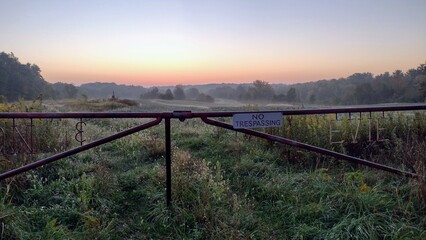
{"x":192,"y":93}
{"x":421,"y":69}
{"x":360,"y":77}
{"x":364,"y":94}
{"x":241,"y":92}
{"x":421,"y":80}
{"x":84,"y":97}
{"x":21,"y":81}
{"x":280,"y":98}
{"x":397,"y":82}
{"x":291,"y":95}
{"x":312,"y":98}
{"x":262,"y":90}
{"x":209,"y":98}
{"x":63,"y":90}
{"x":204,"y":98}
{"x":150,"y":94}
{"x":423,"y":89}
{"x":70,"y":91}
{"x":168,"y":95}
{"x":178,"y":92}
{"x":226,"y":92}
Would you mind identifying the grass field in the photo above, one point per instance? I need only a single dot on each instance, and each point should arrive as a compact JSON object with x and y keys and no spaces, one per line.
{"x":225,"y":185}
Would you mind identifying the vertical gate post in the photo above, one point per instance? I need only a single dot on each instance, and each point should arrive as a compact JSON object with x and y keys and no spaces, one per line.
{"x":168,"y":163}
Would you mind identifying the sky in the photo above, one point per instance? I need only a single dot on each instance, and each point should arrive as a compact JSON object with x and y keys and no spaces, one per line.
{"x":156,"y":43}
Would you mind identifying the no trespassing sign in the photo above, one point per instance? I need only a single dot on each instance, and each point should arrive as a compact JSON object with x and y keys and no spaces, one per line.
{"x":257,"y":120}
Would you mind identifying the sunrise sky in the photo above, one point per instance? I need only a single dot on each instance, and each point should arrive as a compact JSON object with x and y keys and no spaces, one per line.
{"x":194,"y":42}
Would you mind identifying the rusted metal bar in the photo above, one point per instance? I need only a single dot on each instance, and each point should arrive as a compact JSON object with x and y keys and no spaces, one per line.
{"x":188,"y":114}
{"x":318,"y":111}
{"x":76,"y":150}
{"x":80,"y":115}
{"x":168,"y":163}
{"x":311,"y":148}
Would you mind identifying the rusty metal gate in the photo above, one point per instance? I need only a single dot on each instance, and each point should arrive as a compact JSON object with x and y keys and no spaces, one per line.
{"x":206,"y":117}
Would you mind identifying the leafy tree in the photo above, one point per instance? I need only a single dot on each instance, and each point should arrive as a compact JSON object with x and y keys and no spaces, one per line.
{"x":151,"y":94}
{"x":226,"y":92}
{"x":178,"y":92}
{"x":192,"y":92}
{"x":204,"y":98}
{"x":364,"y":94}
{"x":64,"y":90}
{"x":104,"y":90}
{"x":84,"y":97}
{"x":168,"y":95}
{"x":3,"y":99}
{"x":21,"y":81}
{"x":421,"y":80}
{"x":312,"y":98}
{"x":280,"y":98}
{"x":291,"y":95}
{"x":262,"y":90}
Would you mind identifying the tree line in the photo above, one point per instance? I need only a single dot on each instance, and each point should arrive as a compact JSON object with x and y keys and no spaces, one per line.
{"x":359,"y":88}
{"x":24,"y":81}
{"x":365,"y":88}
{"x":178,"y":93}
{"x":20,"y":80}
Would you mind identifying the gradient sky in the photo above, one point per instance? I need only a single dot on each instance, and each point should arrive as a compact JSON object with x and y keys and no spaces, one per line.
{"x":191,"y":42}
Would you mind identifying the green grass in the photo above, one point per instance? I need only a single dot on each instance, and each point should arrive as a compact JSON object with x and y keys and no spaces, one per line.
{"x":225,"y":186}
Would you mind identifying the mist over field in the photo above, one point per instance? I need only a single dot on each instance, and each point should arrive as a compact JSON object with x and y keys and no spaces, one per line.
{"x":24,"y":81}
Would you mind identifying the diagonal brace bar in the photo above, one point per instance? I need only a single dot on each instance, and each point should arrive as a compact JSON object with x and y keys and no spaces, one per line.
{"x":311,"y":148}
{"x":76,"y":150}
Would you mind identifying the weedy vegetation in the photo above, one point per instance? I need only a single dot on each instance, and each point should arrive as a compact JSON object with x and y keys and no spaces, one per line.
{"x":225,"y":185}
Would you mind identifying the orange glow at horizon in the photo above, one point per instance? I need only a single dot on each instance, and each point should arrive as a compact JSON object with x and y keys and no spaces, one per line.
{"x":216,"y":69}
{"x":150,"y":43}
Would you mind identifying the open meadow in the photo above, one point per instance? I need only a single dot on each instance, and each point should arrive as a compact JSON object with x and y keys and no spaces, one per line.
{"x":225,"y":185}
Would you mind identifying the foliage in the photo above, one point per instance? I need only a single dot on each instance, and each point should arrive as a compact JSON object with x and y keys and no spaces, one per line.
{"x":99,"y":105}
{"x":64,"y":91}
{"x":225,"y":185}
{"x":364,"y":88}
{"x":150,"y":94}
{"x":291,"y":95}
{"x":21,"y":80}
{"x":192,"y":92}
{"x":168,"y":95}
{"x":204,"y":98}
{"x":24,"y":81}
{"x":104,"y":90}
{"x":359,"y":88}
{"x":179,"y":93}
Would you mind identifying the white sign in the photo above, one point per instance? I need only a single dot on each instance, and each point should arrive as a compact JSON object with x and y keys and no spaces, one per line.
{"x":257,"y":120}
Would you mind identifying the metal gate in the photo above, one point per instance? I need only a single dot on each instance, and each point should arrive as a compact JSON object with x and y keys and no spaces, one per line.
{"x":206,"y":117}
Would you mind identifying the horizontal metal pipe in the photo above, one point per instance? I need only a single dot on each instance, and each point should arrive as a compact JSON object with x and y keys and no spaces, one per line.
{"x":188,"y":114}
{"x":319,"y":111}
{"x":80,"y":115}
{"x":76,"y":150}
{"x":311,"y":148}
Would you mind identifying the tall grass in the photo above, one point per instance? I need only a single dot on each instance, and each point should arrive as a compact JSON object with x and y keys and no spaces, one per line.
{"x":225,"y":186}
